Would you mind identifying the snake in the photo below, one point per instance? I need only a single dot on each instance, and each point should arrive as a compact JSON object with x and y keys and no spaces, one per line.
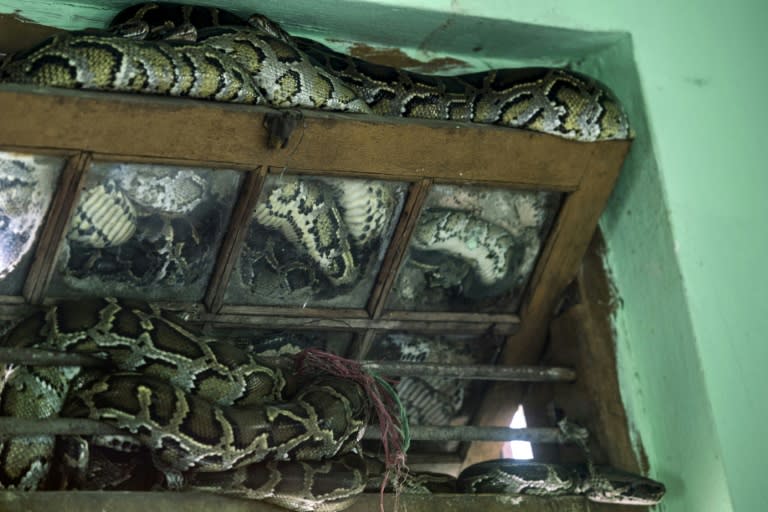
{"x":210,"y":53}
{"x":212,"y":416}
{"x":200,"y":405}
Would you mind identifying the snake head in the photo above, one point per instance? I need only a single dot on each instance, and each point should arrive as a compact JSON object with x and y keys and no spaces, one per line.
{"x":619,"y":487}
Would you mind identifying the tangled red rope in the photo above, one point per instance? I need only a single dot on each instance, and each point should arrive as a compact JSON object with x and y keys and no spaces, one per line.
{"x":393,"y":422}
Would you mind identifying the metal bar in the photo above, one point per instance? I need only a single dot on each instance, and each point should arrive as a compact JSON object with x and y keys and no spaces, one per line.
{"x":472,"y":433}
{"x":10,"y":426}
{"x":40,"y":357}
{"x":471,"y":371}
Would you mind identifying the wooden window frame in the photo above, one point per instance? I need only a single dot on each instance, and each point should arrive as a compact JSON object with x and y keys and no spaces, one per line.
{"x":89,"y":126}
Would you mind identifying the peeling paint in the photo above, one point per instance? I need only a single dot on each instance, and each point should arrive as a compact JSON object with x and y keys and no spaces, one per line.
{"x":396,"y":57}
{"x":16,"y":33}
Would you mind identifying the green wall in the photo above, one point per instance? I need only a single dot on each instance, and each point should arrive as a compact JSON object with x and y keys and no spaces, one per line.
{"x":684,"y":249}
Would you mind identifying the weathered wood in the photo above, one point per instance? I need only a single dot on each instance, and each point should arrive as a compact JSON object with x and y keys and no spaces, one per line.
{"x":372,"y":146}
{"x":286,"y":311}
{"x":233,"y":240}
{"x":93,"y":501}
{"x":54,"y":229}
{"x":398,"y":247}
{"x":451,"y":317}
{"x":363,"y":344}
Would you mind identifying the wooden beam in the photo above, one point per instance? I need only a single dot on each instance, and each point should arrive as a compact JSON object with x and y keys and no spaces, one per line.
{"x":398,"y":246}
{"x":86,"y":501}
{"x":216,"y":134}
{"x":55,"y":227}
{"x":233,"y":240}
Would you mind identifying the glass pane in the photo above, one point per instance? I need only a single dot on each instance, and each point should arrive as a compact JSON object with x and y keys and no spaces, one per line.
{"x":473,"y":249}
{"x":316,"y":242}
{"x":27,"y":183}
{"x":146,"y":231}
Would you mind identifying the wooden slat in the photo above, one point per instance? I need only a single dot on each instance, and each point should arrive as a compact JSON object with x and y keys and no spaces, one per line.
{"x":398,"y":247}
{"x":557,"y":266}
{"x":54,"y":230}
{"x":363,"y":344}
{"x":392,"y":148}
{"x":287,"y":311}
{"x":96,"y":501}
{"x":234,"y":238}
{"x":452,"y":316}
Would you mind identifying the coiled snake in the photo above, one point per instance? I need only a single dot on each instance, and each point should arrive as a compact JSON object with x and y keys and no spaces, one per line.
{"x":209,"y":53}
{"x":207,"y":412}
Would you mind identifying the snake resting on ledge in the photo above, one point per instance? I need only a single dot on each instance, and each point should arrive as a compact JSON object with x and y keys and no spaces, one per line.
{"x":215,"y":418}
{"x":209,"y":415}
{"x":209,"y":53}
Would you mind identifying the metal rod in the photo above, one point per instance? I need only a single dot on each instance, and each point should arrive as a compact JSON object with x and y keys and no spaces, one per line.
{"x":40,"y":357}
{"x":10,"y":426}
{"x":473,"y":433}
{"x":471,"y":371}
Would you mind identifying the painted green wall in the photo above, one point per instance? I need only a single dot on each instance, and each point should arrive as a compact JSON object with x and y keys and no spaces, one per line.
{"x":685,"y":225}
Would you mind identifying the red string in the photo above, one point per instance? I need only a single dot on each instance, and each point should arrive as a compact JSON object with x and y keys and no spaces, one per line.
{"x":384,"y":405}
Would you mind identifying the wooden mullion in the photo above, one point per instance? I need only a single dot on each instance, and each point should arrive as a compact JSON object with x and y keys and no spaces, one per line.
{"x":234,"y":238}
{"x":398,"y":247}
{"x":363,"y":345}
{"x":292,"y":311}
{"x":54,"y":230}
{"x":450,"y":316}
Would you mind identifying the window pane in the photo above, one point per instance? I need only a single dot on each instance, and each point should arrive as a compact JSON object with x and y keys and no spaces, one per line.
{"x":146,"y":231}
{"x":316,"y":242}
{"x":473,"y":249}
{"x":27,"y":183}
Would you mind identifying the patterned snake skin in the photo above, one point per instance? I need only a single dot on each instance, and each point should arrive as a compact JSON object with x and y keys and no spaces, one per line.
{"x":211,"y":54}
{"x":199,"y":405}
{"x":208,"y":53}
{"x":215,"y":418}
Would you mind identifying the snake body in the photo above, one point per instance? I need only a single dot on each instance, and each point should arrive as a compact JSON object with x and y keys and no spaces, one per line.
{"x":256,"y":62}
{"x":209,"y":53}
{"x":198,"y":405}
{"x":207,"y":411}
{"x":213,"y":417}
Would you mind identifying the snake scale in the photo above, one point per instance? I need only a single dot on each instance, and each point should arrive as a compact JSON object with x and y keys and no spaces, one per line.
{"x":209,"y":53}
{"x":216,"y":418}
{"x":211,"y":416}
